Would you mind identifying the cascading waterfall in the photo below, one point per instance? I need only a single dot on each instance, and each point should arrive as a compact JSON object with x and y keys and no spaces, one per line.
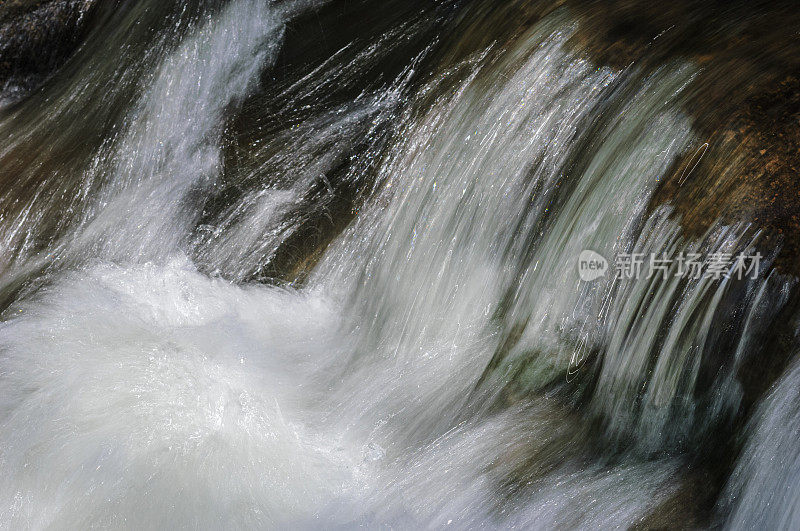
{"x":442,"y":364}
{"x":171,"y":149}
{"x":763,"y":488}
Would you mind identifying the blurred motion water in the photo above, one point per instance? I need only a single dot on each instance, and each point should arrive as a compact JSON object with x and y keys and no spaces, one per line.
{"x":174,"y":351}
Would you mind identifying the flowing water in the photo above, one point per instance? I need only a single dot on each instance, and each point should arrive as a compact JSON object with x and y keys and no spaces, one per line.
{"x":440,"y":363}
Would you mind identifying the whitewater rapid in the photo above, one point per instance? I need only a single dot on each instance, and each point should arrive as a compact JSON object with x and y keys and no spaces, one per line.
{"x":146,"y":381}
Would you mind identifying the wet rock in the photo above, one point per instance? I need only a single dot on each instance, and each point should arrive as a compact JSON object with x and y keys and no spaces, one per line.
{"x":745,"y":102}
{"x":746,"y":170}
{"x":741,"y":46}
{"x":743,"y":168}
{"x":688,"y":508}
{"x":36,"y":37}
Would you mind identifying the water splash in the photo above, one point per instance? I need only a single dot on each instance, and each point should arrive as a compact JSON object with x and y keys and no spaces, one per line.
{"x":421,"y":375}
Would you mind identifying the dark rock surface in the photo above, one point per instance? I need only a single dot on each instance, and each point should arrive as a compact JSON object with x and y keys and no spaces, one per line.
{"x":744,"y":101}
{"x":36,"y":37}
{"x":749,"y":172}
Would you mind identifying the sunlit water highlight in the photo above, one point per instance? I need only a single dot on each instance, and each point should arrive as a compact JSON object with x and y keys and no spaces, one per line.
{"x":142,"y":384}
